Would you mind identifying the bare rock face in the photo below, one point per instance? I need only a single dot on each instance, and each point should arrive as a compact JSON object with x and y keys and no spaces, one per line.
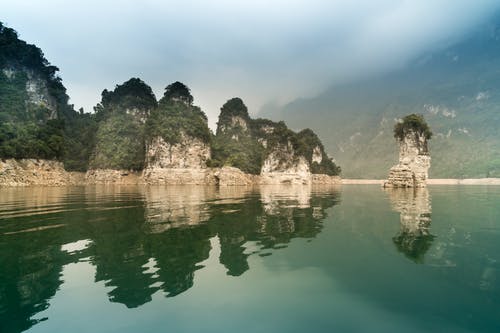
{"x":284,"y":166}
{"x":112,"y":176}
{"x":38,"y":93}
{"x":414,"y":162}
{"x":230,"y":176}
{"x":321,"y":179}
{"x":26,"y":172}
{"x":184,"y":162}
{"x":191,"y":153}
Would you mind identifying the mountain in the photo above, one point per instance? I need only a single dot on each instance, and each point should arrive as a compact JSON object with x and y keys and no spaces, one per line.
{"x":36,"y":120}
{"x":257,"y":146}
{"x":457,"y":89}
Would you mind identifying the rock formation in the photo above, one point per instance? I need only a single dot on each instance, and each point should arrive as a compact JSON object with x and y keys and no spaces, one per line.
{"x":414,"y":159}
{"x":178,"y":144}
{"x":283,"y":166}
{"x":121,"y":114}
{"x":27,"y":172}
{"x":414,"y":238}
{"x":268,"y":149}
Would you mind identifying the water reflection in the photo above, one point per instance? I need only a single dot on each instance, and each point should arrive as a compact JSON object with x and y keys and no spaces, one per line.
{"x":140,"y":240}
{"x":414,"y":238}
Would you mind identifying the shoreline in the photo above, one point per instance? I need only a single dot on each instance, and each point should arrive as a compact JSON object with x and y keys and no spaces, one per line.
{"x":433,"y":181}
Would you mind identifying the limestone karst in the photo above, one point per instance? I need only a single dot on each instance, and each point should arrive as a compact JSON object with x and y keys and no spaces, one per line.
{"x":412,"y":134}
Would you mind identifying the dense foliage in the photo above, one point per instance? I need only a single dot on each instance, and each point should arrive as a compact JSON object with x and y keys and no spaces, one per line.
{"x":412,"y":123}
{"x":36,"y":126}
{"x":178,"y":91}
{"x":119,"y":143}
{"x":39,"y":123}
{"x":236,"y":145}
{"x":307,"y":141}
{"x":246,"y":147}
{"x":175,"y":116}
{"x":121,"y":116}
{"x":132,"y":95}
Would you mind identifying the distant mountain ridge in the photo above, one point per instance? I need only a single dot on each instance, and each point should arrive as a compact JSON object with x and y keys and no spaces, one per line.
{"x":457,"y":90}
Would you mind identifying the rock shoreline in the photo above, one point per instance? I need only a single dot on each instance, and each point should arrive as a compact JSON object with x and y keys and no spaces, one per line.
{"x":32,"y":172}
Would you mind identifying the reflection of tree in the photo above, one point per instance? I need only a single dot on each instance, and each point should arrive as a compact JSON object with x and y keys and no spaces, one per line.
{"x":272,"y":220}
{"x":177,"y":253}
{"x":143,"y":240}
{"x":120,"y":257}
{"x":414,"y":238}
{"x":29,"y":277}
{"x":31,"y":260}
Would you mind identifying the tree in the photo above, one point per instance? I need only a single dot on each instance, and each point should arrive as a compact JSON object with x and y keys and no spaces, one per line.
{"x":178,"y":91}
{"x":412,"y":123}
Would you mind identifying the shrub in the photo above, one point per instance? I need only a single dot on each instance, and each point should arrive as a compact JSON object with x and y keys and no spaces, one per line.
{"x":412,"y":123}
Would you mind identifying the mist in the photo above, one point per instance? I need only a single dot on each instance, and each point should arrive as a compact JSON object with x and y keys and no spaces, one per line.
{"x":260,"y":51}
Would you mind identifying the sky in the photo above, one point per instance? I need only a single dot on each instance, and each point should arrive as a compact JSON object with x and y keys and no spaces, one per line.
{"x":260,"y":50}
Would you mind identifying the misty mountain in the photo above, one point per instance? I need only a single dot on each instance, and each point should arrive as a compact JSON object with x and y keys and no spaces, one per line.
{"x":456,"y":88}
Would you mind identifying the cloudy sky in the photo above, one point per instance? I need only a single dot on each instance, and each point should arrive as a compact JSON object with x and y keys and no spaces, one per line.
{"x":262,"y":51}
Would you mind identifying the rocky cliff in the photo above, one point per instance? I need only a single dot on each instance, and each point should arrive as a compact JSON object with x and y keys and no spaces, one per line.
{"x":133,"y":138}
{"x":414,"y":159}
{"x":283,"y":166}
{"x":268,"y":149}
{"x":178,"y":141}
{"x":120,"y":137}
{"x":26,"y":172}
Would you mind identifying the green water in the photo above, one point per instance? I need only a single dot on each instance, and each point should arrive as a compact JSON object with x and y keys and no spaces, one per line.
{"x":274,"y":259}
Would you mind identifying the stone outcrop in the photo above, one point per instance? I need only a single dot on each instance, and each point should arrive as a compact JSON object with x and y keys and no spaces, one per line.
{"x":28,"y":172}
{"x":230,"y":176}
{"x":189,"y":152}
{"x":321,"y":179}
{"x":284,"y":166}
{"x":184,"y":162}
{"x":414,"y":162}
{"x":111,"y":176}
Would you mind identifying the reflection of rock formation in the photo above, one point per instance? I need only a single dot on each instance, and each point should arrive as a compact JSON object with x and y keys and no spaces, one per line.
{"x":174,"y":206}
{"x":141,"y":240}
{"x":271,"y":221}
{"x":414,"y":162}
{"x":414,"y":238}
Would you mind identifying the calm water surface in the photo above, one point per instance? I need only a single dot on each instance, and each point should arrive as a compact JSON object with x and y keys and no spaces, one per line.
{"x":271,"y":259}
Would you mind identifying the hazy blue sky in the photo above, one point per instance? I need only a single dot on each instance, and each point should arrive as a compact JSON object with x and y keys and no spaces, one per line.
{"x":260,"y":50}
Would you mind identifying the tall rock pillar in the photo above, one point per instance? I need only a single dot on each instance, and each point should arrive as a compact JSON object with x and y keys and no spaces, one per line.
{"x":414,"y":159}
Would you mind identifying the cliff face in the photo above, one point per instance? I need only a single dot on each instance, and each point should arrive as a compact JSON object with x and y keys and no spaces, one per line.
{"x":284,"y":166}
{"x":189,"y":152}
{"x":178,"y":141}
{"x":414,"y":162}
{"x":27,"y":172}
{"x":266,"y":148}
{"x":184,"y":162}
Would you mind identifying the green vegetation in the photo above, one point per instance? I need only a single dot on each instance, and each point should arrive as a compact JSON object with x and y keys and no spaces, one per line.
{"x":178,"y":91}
{"x":121,"y":116}
{"x":35,"y":126}
{"x":413,"y":123}
{"x":39,"y":123}
{"x":246,"y":146}
{"x":175,"y":115}
{"x":307,"y":141}
{"x":133,"y":96}
{"x":119,"y":143}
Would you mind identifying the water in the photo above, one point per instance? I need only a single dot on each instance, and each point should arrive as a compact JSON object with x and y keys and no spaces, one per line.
{"x":274,"y":259}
